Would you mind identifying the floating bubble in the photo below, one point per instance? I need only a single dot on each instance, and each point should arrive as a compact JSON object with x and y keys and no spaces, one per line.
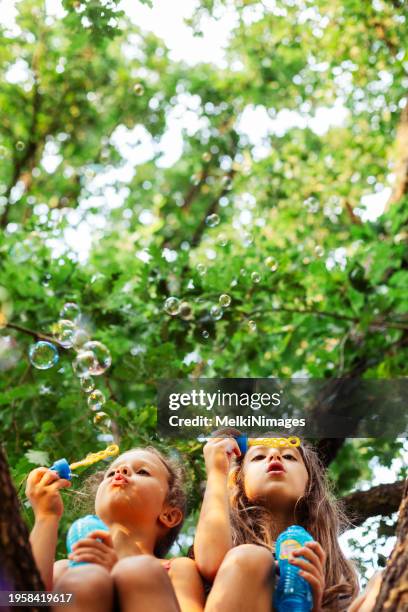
{"x":252,"y":326}
{"x":195,"y":179}
{"x":256,"y":278}
{"x":216,"y":313}
{"x":212,"y":220}
{"x":70,"y":311}
{"x":224,"y":300}
{"x":102,"y":357}
{"x":201,"y":269}
{"x":271,"y":263}
{"x":63,"y":332}
{"x":185,"y":311}
{"x":87,"y":383}
{"x":83,"y":363}
{"x":9,"y":353}
{"x":172,"y":306}
{"x":96,"y":400}
{"x":21,"y":251}
{"x":138,"y":89}
{"x":319,"y":251}
{"x":43,"y":355}
{"x":226,"y":182}
{"x":20,"y":146}
{"x":247,"y":240}
{"x":242,"y":272}
{"x":206,"y":157}
{"x":79,"y":338}
{"x":222,"y":240}
{"x":205,"y":334}
{"x":101,"y":418}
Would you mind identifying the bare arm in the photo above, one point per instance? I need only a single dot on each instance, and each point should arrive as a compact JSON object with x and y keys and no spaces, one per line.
{"x":43,"y":491}
{"x":187,"y":585}
{"x":213,"y":537}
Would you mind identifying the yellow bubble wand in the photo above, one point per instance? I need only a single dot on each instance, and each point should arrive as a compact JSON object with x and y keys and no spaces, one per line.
{"x":64,"y":469}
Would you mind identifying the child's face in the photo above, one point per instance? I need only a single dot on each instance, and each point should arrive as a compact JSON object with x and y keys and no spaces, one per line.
{"x":274,"y":477}
{"x":133,"y":490}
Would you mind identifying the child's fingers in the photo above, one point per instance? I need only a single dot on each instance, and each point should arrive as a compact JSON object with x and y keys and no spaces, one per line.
{"x":105,"y":536}
{"x":315,"y":583}
{"x":310,"y":555}
{"x":87,"y":556}
{"x":61,"y":483}
{"x":317,"y":548}
{"x":35,"y":475}
{"x":91,"y":544}
{"x":48,"y":477}
{"x":306,"y":566}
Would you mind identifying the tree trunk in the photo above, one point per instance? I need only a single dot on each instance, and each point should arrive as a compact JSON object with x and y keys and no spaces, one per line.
{"x":393,"y":596}
{"x":18,"y":571}
{"x":383,"y":499}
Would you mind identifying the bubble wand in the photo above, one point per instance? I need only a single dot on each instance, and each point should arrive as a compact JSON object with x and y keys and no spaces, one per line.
{"x":64,"y":469}
{"x":245,"y":443}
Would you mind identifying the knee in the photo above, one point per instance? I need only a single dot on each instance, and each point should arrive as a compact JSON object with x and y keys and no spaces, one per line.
{"x":87,"y":582}
{"x":250,"y":559}
{"x":139,"y":572}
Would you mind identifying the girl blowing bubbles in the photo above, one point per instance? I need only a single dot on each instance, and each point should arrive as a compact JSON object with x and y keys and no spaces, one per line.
{"x":248,"y":502}
{"x":141,"y":499}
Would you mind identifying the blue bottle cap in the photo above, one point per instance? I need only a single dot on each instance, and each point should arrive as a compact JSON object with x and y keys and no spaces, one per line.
{"x":62,"y":468}
{"x":242,"y":442}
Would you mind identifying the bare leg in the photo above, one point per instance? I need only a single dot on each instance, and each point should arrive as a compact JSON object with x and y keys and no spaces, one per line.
{"x":92,"y":588}
{"x":245,"y":581}
{"x":143,"y":584}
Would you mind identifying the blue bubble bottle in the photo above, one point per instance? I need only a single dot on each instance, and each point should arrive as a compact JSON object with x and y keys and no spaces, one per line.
{"x":292,"y":593}
{"x":80,"y":529}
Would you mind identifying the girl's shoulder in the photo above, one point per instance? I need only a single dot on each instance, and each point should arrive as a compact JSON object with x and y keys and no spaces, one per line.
{"x":60,"y":567}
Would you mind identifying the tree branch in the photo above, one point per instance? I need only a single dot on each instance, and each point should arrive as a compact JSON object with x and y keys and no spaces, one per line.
{"x":383,"y":499}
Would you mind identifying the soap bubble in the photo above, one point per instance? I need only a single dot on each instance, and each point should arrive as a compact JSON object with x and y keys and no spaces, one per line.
{"x":102,"y":357}
{"x":172,"y":306}
{"x":271,"y":263}
{"x":43,"y":355}
{"x":138,"y":89}
{"x":195,"y":179}
{"x":205,"y":334}
{"x":201,"y":269}
{"x":206,"y":157}
{"x":256,"y":278}
{"x":185,"y":310}
{"x":21,"y":251}
{"x":252,"y":326}
{"x":101,"y":418}
{"x":216,"y":313}
{"x":319,"y":251}
{"x":224,"y":300}
{"x":6,"y":307}
{"x":63,"y":332}
{"x":226,"y":182}
{"x":83,"y":363}
{"x":79,"y":338}
{"x":9,"y":353}
{"x":70,"y":311}
{"x":222,"y":240}
{"x":87,"y":383}
{"x":212,"y":220}
{"x":20,"y":146}
{"x":96,"y":400}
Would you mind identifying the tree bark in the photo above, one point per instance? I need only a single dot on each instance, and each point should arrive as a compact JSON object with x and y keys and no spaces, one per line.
{"x":393,"y":596}
{"x":380,"y":500}
{"x":18,"y":571}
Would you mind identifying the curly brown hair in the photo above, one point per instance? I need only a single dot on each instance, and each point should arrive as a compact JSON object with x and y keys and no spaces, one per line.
{"x":176,"y":496}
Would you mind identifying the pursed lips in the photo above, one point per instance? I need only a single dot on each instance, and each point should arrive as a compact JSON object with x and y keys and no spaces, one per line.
{"x":276,"y":467}
{"x":119,"y":479}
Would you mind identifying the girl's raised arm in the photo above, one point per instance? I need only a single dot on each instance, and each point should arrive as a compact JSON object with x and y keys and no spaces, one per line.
{"x":213,"y":537}
{"x":42,"y":490}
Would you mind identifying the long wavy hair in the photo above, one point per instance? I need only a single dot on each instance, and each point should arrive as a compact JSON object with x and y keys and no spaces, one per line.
{"x":317,"y":511}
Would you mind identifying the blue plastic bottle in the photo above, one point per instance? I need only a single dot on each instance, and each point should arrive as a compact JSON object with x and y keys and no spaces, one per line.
{"x":292,"y":593}
{"x":81,"y":529}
